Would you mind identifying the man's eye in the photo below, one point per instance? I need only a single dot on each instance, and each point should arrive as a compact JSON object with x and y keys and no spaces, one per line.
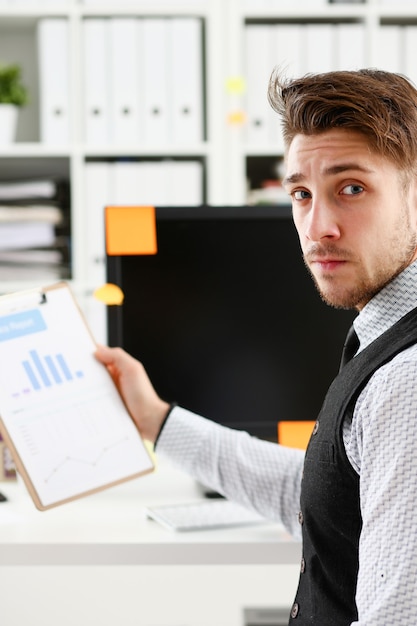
{"x":352,"y":190}
{"x":301,"y":194}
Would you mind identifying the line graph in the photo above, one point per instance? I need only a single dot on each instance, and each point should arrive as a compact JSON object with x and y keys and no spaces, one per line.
{"x":92,"y":463}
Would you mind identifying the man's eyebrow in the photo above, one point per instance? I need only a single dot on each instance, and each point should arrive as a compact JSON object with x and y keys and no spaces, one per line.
{"x":293,"y":178}
{"x":298,"y":177}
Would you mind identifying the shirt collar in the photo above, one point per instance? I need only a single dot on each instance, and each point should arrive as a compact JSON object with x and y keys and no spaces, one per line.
{"x":388,"y":306}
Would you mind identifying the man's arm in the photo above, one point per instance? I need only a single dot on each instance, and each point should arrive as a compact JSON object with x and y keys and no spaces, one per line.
{"x":258,"y":474}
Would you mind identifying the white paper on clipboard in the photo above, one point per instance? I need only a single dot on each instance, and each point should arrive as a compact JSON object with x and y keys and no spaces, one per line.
{"x":60,"y":413}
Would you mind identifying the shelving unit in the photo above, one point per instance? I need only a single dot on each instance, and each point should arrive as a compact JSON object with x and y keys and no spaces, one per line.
{"x":230,"y":162}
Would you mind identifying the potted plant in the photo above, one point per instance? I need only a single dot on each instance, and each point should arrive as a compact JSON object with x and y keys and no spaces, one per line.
{"x":13,"y":94}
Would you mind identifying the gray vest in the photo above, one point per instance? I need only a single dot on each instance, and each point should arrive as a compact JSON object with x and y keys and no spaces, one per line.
{"x":330,"y":514}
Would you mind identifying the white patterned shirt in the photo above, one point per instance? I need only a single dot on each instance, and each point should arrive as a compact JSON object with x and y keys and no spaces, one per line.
{"x":381,"y":444}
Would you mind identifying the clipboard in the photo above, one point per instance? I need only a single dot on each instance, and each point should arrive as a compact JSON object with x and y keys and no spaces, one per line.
{"x":61,"y":415}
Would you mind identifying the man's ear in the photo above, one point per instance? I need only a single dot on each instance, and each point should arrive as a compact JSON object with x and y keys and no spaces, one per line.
{"x":412,"y":198}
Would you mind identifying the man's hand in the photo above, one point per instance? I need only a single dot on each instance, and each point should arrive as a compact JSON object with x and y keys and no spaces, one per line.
{"x":146,"y":408}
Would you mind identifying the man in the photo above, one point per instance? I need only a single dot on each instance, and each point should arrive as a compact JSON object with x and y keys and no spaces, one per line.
{"x":351,"y":168}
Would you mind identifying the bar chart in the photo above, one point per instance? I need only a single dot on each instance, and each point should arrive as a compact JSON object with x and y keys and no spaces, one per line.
{"x":47,"y":370}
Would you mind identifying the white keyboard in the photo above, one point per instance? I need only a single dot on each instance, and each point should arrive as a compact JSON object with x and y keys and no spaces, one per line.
{"x":203,"y":515}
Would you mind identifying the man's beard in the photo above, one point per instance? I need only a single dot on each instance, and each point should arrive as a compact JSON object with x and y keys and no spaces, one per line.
{"x":402,"y":248}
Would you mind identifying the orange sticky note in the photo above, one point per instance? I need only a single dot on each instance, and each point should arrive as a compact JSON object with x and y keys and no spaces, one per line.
{"x":295,"y":434}
{"x":130,"y":230}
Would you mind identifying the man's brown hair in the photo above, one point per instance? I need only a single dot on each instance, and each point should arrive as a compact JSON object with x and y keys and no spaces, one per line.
{"x":381,"y":105}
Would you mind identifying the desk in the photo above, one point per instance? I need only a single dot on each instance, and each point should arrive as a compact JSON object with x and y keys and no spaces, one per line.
{"x":100,"y":561}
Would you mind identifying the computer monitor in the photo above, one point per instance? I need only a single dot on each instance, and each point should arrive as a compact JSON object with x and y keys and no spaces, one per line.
{"x":226,"y":319}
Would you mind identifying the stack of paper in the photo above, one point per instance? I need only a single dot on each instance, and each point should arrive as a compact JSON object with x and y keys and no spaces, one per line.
{"x":34,"y":229}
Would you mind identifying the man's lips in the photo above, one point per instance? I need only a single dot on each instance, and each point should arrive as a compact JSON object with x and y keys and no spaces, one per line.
{"x":328,"y":258}
{"x":325,"y":263}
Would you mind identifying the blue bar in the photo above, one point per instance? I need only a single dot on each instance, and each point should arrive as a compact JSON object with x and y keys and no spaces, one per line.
{"x":64,"y":366}
{"x":31,"y":375}
{"x":40,"y":368}
{"x":52,"y":368}
{"x":20,"y":324}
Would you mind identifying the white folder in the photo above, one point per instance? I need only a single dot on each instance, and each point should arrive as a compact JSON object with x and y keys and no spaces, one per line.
{"x":287,"y":53}
{"x":185,"y":78}
{"x":320,"y":47}
{"x":125,"y":80}
{"x":350,"y":47}
{"x":139,"y":183}
{"x":410,"y":52}
{"x":53,"y":56}
{"x":97,"y":194}
{"x":258,"y":66}
{"x":154,"y":55}
{"x":154,"y":183}
{"x":389,"y":46}
{"x":126,"y":182}
{"x":96,"y":83}
{"x":185,"y":183}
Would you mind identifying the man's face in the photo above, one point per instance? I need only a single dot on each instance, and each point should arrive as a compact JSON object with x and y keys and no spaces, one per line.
{"x":356,"y":220}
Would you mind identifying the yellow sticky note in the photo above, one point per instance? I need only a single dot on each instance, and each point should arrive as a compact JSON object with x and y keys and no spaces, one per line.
{"x":109,"y":294}
{"x":235,"y":85}
{"x":130,"y":230}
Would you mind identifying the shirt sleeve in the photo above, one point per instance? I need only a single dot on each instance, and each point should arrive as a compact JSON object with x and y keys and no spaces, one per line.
{"x":259,"y":474}
{"x":385,"y":430}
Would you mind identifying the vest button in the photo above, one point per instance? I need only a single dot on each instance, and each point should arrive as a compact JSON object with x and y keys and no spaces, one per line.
{"x":294,"y":610}
{"x":316,"y":427}
{"x":301,"y":518}
{"x":303,"y":566}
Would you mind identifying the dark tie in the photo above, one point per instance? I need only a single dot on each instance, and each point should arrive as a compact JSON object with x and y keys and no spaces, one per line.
{"x":350,"y":347}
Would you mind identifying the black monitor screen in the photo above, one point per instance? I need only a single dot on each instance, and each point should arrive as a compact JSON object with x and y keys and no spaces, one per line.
{"x":226,"y":319}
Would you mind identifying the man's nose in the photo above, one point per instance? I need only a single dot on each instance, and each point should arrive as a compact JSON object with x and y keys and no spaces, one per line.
{"x":321,"y":221}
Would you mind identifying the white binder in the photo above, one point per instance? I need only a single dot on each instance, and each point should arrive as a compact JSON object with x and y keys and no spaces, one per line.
{"x":350,"y":47}
{"x":98,"y":193}
{"x":288,"y":53}
{"x":320,"y":47}
{"x":53,"y":56}
{"x":288,"y":49}
{"x":185,"y":77}
{"x":186,"y":183}
{"x":389,"y":46}
{"x":96,"y":84}
{"x":125,"y":80}
{"x":154,"y":183}
{"x":410,"y":52}
{"x":259,"y":65}
{"x":154,"y":55}
{"x":126,"y":182}
{"x":135,"y":182}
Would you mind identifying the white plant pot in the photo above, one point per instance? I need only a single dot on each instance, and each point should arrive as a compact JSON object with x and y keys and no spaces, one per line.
{"x":8,"y":123}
